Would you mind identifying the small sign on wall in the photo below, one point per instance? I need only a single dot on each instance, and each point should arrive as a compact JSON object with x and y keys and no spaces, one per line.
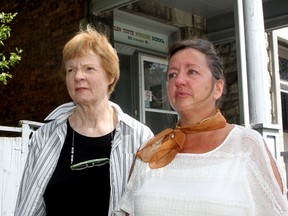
{"x":148,"y":95}
{"x":140,"y":37}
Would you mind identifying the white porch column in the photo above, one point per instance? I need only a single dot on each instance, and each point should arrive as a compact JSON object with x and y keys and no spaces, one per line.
{"x":257,"y":74}
{"x":241,"y":63}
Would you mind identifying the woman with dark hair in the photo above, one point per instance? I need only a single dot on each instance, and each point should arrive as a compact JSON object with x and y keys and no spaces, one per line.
{"x":204,"y":166}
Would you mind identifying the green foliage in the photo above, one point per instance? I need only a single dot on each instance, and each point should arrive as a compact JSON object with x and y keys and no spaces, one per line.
{"x":14,"y":58}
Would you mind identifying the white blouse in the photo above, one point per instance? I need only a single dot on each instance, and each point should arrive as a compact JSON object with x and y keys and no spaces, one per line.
{"x":234,"y":179}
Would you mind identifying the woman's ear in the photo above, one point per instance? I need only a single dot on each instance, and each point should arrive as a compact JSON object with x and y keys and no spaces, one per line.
{"x":219,"y":87}
{"x":111,"y":80}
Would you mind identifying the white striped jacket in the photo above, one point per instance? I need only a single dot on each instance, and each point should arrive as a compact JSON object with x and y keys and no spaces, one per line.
{"x":45,"y":147}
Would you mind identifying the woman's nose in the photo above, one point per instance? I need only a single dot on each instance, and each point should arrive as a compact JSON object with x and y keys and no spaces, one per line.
{"x":180,"y":79}
{"x":79,"y":75}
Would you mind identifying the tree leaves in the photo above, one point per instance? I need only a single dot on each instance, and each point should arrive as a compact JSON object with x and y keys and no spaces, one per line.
{"x":14,"y":58}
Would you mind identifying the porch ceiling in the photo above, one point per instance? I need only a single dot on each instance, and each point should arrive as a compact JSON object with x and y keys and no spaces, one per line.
{"x":220,"y":13}
{"x":275,"y":11}
{"x":208,"y":8}
{"x":204,"y":8}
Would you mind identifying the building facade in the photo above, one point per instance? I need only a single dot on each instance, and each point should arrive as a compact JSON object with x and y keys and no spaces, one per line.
{"x":254,"y":55}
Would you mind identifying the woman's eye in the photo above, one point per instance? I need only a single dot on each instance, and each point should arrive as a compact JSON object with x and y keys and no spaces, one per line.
{"x":171,"y":75}
{"x":192,"y":71}
{"x":89,"y":68}
{"x":69,"y":70}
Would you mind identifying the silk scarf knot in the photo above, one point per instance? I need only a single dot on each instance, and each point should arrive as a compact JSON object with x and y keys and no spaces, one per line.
{"x":163,"y":147}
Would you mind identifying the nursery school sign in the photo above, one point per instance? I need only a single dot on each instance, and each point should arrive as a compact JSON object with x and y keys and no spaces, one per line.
{"x":140,"y":37}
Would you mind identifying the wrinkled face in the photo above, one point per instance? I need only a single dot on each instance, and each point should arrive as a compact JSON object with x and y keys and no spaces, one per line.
{"x":86,"y":79}
{"x":190,"y":83}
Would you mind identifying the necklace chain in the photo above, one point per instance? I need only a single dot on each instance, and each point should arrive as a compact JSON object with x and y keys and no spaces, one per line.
{"x":72,"y":148}
{"x":73,"y":136}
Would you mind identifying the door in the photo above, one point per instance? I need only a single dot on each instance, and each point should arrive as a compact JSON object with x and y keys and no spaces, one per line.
{"x":155,"y":110}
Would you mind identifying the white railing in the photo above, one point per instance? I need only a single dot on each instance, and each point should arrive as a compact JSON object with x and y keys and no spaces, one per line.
{"x":13,"y":153}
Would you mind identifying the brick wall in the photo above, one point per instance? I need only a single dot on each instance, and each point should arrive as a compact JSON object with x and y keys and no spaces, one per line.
{"x":40,"y":29}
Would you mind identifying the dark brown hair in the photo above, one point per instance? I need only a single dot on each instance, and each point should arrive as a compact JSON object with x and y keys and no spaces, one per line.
{"x":207,"y":48}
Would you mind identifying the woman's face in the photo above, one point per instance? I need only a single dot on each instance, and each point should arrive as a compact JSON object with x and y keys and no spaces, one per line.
{"x":190,"y":83}
{"x":87,"y":81}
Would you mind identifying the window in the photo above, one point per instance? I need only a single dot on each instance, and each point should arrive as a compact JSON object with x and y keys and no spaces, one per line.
{"x":156,"y":111}
{"x":283,"y":70}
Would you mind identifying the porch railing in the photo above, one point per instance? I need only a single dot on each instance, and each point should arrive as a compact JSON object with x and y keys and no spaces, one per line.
{"x":13,"y":153}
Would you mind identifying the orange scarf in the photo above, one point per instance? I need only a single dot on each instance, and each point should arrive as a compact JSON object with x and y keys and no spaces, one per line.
{"x":164,"y":146}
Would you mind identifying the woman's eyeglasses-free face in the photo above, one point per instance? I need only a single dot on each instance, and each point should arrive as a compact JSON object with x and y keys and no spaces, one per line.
{"x":89,"y":164}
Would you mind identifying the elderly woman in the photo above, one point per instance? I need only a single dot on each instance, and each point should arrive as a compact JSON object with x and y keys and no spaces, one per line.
{"x":78,"y":163}
{"x":205,"y":166}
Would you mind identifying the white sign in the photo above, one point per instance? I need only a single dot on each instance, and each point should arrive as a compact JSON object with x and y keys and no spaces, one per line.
{"x":148,"y":95}
{"x":140,"y":37}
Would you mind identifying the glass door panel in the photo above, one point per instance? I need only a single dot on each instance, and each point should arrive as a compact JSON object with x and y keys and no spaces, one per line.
{"x":156,"y":111}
